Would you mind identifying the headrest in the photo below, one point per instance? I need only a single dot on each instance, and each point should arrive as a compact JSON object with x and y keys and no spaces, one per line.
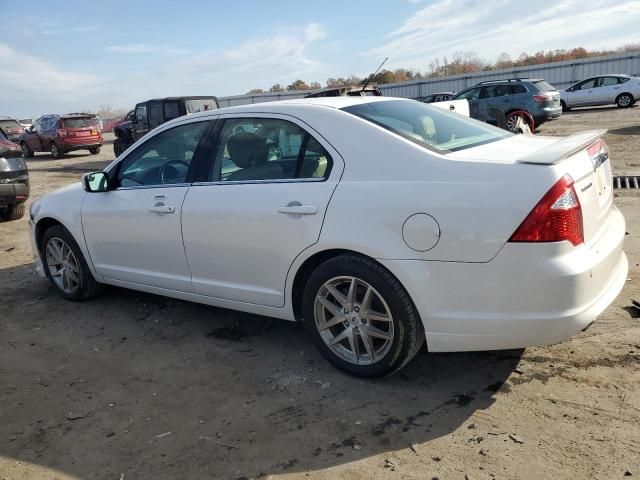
{"x":247,"y":149}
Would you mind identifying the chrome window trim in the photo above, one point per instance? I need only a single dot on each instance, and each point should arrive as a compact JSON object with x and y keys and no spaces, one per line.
{"x":147,"y":187}
{"x":254,"y":182}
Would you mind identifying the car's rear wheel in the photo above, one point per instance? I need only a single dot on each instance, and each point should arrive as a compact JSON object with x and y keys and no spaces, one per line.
{"x":360,"y":317}
{"x":624,"y":100}
{"x":94,"y":151}
{"x":14,"y":211}
{"x":26,"y":151}
{"x":65,"y":266}
{"x":512,"y":121}
{"x":56,"y":151}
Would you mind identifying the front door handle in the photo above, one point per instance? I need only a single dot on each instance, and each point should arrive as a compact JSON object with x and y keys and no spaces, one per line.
{"x":299,"y":209}
{"x":162,"y":209}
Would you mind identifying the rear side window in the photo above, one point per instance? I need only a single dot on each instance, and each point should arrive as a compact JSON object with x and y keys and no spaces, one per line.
{"x":156,"y":116}
{"x":171,"y":110}
{"x":495,"y":91}
{"x":252,"y":149}
{"x":515,"y":89}
{"x":428,"y":126}
{"x":608,"y":81}
{"x":623,"y":79}
{"x":10,"y":125}
{"x":544,"y":86}
{"x":82,"y":122}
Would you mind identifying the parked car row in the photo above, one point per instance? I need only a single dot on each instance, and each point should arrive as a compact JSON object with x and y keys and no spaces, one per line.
{"x":508,"y":102}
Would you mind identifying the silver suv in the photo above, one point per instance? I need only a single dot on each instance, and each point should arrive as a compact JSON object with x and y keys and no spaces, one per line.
{"x":533,"y":100}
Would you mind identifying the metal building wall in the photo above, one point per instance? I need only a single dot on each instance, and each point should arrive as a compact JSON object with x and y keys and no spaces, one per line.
{"x":559,"y":74}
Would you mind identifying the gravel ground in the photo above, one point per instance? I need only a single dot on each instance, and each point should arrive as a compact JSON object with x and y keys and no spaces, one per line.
{"x":135,"y":386}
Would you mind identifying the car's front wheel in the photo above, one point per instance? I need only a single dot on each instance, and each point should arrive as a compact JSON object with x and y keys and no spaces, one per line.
{"x":65,"y":266}
{"x":360,"y":317}
{"x":56,"y":151}
{"x":564,"y":106}
{"x":624,"y":100}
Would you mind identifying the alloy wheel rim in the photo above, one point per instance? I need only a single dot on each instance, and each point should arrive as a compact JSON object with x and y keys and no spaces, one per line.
{"x":354,"y":320}
{"x":624,"y":100}
{"x":63,"y":265}
{"x":512,"y":123}
{"x":54,"y":150}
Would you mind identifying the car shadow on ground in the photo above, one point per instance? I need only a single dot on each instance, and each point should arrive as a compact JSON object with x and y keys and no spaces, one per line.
{"x":626,"y":130}
{"x":150,"y":387}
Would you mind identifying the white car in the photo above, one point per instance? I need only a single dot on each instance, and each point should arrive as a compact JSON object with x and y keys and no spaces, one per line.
{"x":623,"y":90}
{"x":381,"y":222}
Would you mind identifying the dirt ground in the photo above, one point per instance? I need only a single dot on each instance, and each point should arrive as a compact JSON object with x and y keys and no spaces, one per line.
{"x":135,"y":386}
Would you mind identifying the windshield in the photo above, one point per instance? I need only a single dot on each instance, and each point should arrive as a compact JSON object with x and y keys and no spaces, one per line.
{"x":10,"y":125}
{"x":26,"y":120}
{"x":79,"y":122}
{"x":544,"y":86}
{"x":428,"y":126}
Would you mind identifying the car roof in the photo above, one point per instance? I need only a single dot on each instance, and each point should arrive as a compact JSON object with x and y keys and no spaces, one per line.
{"x":8,"y":118}
{"x":282,"y":106}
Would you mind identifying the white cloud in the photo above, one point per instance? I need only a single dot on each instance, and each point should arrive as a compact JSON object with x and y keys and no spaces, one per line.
{"x":489,"y":28}
{"x":145,"y":48}
{"x":61,"y":30}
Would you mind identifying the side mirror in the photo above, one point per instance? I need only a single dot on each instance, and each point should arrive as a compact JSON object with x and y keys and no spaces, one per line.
{"x":95,"y":182}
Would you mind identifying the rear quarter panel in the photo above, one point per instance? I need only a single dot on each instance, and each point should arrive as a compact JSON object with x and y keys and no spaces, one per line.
{"x":477,"y":203}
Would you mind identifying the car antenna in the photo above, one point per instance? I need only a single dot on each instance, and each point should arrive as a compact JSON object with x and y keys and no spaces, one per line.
{"x":373,"y":75}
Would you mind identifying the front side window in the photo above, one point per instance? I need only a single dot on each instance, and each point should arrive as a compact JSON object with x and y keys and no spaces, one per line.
{"x":141,"y":113}
{"x":586,"y":85}
{"x":163,"y":159}
{"x":252,"y":149}
{"x":428,"y":126}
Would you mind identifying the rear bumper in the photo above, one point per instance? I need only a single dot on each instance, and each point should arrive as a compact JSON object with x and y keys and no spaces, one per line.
{"x":528,"y":295}
{"x":84,"y":145}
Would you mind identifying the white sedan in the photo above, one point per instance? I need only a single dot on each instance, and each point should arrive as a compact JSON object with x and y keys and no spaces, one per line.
{"x":381,"y":222}
{"x":623,"y":90}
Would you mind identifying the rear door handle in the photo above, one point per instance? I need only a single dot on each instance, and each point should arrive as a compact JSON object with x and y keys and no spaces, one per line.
{"x":162,"y":209}
{"x":299,"y":209}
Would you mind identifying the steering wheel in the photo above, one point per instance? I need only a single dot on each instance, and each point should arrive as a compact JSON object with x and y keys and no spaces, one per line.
{"x":163,"y":176}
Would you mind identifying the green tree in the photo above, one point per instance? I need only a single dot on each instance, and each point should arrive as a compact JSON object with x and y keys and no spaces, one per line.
{"x":298,"y":85}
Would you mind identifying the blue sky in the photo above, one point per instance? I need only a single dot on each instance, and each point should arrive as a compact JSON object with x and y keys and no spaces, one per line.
{"x":71,"y":55}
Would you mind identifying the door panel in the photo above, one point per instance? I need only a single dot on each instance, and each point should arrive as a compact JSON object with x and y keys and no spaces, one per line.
{"x":240,"y":246}
{"x":133,"y":236}
{"x":260,"y":204}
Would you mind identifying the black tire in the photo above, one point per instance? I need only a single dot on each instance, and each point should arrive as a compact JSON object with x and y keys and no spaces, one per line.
{"x":408,"y":333}
{"x":26,"y":151}
{"x":564,"y":106}
{"x":625,"y":100}
{"x":94,"y":151}
{"x":117,"y":147}
{"x":88,"y":287}
{"x":56,"y":151}
{"x":15,"y":211}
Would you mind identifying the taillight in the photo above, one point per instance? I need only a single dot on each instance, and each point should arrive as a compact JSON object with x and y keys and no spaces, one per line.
{"x":62,"y":132}
{"x":556,"y":217}
{"x":599,"y":153}
{"x":543,"y":98}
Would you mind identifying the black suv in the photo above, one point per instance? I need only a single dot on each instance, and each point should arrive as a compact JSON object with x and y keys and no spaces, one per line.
{"x":501,"y":102}
{"x":152,"y":113}
{"x":14,"y":180}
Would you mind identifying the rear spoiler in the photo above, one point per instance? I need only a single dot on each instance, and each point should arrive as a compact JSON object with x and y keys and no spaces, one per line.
{"x":563,"y":148}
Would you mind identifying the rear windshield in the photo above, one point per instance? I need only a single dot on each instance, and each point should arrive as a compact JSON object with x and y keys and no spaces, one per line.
{"x":10,"y":124}
{"x":79,"y":122}
{"x":428,"y":126}
{"x":544,"y":86}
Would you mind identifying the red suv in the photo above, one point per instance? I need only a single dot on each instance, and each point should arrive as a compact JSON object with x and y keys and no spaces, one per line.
{"x":60,"y":134}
